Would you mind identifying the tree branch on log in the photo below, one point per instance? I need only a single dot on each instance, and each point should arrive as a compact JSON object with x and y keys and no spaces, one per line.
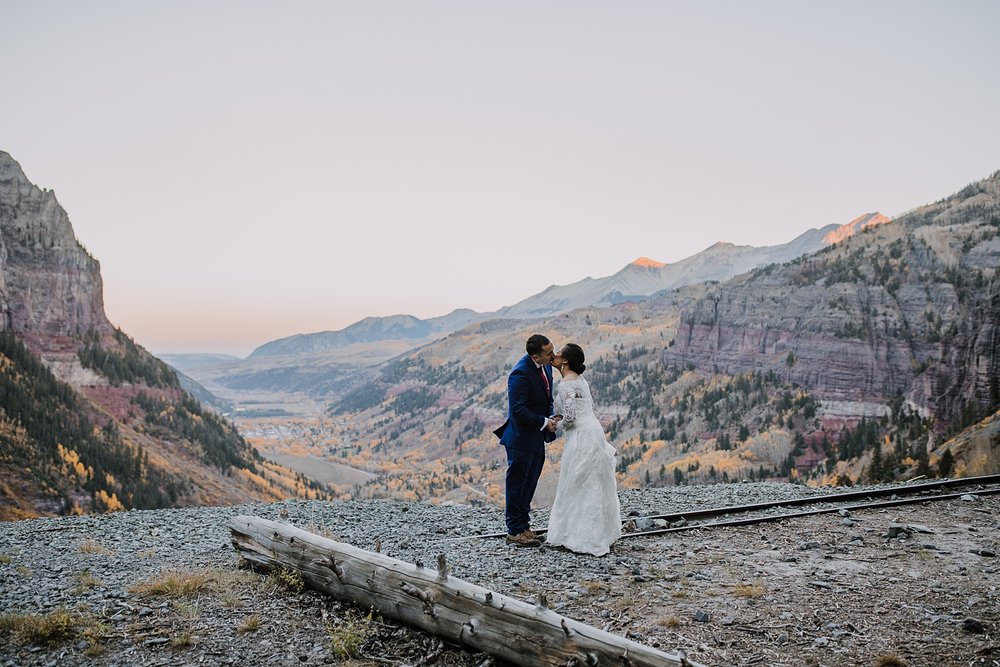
{"x":453,"y":609}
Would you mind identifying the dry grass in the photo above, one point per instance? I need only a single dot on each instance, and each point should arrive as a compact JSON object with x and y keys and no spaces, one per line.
{"x":754,"y":590}
{"x":624,"y":604}
{"x":4,"y":559}
{"x":230,"y":600}
{"x":227,"y":584}
{"x":173,"y":584}
{"x":50,"y":628}
{"x":92,"y":547}
{"x":94,"y":649}
{"x":289,"y":579}
{"x":668,"y":622}
{"x":347,"y":638}
{"x":249,"y":624}
{"x":227,"y":580}
{"x":188,"y":611}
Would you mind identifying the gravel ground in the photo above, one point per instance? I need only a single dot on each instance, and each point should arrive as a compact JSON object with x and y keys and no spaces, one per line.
{"x":912,"y":585}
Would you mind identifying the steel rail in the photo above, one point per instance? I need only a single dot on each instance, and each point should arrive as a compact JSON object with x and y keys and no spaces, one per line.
{"x":791,"y":515}
{"x":794,"y":502}
{"x":835,"y":497}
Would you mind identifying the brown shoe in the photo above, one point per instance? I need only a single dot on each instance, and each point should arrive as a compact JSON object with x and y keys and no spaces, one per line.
{"x":523,"y":540}
{"x":537,"y":536}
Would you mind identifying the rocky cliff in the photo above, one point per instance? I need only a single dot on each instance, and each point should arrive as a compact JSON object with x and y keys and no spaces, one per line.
{"x":90,"y":421}
{"x":51,"y":287}
{"x":908,"y":308}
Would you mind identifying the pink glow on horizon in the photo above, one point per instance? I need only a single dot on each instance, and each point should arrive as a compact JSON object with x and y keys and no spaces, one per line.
{"x":247,"y":171}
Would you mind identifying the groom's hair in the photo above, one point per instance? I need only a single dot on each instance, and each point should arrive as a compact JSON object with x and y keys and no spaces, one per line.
{"x":535,"y":344}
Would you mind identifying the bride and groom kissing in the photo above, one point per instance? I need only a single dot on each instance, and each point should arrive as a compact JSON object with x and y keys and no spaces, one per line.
{"x":585,"y":516}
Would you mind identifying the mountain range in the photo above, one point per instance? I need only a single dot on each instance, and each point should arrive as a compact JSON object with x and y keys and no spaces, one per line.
{"x":369,"y":330}
{"x":872,"y":357}
{"x":318,"y":363}
{"x":640,"y":279}
{"x":646,"y":277}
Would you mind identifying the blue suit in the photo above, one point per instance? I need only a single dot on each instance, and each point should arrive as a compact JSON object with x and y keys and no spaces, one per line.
{"x":524,"y":437}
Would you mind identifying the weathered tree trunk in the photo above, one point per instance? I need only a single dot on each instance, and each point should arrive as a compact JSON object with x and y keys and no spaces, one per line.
{"x":435,"y":602}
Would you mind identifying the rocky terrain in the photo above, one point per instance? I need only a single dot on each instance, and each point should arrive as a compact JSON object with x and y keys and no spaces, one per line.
{"x":913,"y":585}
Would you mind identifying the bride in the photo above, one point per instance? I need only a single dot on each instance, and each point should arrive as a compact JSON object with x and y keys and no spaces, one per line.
{"x":585,"y":515}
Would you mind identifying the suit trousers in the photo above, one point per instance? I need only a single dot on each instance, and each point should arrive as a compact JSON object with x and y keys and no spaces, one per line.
{"x":523,"y":470}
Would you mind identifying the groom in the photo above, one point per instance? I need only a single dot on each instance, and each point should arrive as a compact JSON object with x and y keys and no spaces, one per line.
{"x":530,"y":424}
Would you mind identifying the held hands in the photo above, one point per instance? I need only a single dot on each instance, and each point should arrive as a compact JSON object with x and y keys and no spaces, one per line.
{"x":552,"y":422}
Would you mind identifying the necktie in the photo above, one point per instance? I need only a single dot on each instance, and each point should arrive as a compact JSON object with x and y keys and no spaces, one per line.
{"x":545,"y":380}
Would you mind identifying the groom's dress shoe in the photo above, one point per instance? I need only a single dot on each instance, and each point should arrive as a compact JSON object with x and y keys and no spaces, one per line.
{"x":537,"y":536}
{"x":524,"y":539}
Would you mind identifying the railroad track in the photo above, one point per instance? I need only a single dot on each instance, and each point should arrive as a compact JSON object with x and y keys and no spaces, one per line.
{"x":901,"y":495}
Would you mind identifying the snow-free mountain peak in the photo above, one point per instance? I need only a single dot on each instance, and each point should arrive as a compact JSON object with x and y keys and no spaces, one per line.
{"x":855,"y":226}
{"x":647,"y":263}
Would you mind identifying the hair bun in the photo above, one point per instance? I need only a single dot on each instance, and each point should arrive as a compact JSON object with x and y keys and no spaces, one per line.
{"x":574,"y":356}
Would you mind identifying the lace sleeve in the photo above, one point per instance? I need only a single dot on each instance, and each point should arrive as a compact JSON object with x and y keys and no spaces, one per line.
{"x":570,"y":398}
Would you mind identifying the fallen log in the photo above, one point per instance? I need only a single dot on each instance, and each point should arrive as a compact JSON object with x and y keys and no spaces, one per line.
{"x":438,"y":603}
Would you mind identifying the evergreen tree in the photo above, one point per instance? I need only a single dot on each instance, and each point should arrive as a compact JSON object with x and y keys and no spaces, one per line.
{"x":946,"y":464}
{"x":876,"y":469}
{"x":923,"y":462}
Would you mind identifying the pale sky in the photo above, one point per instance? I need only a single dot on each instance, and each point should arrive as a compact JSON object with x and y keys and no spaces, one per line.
{"x":246,"y":171}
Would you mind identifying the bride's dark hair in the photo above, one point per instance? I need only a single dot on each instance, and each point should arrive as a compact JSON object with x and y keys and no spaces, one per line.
{"x":573,"y":354}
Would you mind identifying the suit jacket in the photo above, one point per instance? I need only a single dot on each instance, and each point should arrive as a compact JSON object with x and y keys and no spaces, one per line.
{"x":529,"y":405}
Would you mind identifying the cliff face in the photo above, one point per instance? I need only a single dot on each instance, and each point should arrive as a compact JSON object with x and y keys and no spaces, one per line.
{"x":90,"y":421}
{"x":51,"y":287}
{"x":965,"y":382}
{"x":747,"y":328}
{"x":906,"y":308}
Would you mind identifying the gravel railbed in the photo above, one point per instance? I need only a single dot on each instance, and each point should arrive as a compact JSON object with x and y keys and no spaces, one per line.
{"x":795,"y":592}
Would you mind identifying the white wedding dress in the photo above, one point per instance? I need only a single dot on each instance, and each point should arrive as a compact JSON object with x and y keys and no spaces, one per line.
{"x":585,"y":516}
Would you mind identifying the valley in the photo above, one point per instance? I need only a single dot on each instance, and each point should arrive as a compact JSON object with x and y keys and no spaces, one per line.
{"x":863,"y":362}
{"x":856,"y":353}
